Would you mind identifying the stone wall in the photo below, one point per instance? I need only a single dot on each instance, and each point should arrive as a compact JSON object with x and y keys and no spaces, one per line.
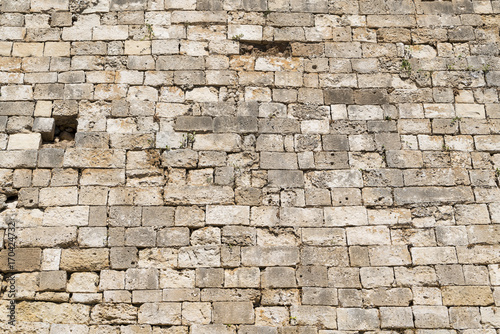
{"x":250,"y":166}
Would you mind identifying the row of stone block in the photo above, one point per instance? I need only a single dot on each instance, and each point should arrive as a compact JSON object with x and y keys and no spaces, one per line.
{"x":251,"y":236}
{"x":316,"y":6}
{"x":92,"y":259}
{"x":225,"y":316}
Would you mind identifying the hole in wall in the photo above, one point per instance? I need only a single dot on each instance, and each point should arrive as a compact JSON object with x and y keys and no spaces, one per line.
{"x":65,"y":128}
{"x":266,"y":49}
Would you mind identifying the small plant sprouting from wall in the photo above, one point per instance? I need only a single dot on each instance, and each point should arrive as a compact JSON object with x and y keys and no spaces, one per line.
{"x":237,"y":37}
{"x":150,"y":34}
{"x":405,"y":65}
{"x":187,"y":140}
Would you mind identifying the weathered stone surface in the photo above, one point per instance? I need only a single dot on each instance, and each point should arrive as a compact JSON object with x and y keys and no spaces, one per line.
{"x":357,"y":319}
{"x":233,"y":313}
{"x":432,"y":195}
{"x":53,"y":313}
{"x":467,"y":295}
{"x":160,"y":314}
{"x":118,"y":314}
{"x":244,"y":166}
{"x":84,"y":259}
{"x":46,"y":237}
{"x":26,"y":259}
{"x":198,"y":195}
{"x":269,"y":256}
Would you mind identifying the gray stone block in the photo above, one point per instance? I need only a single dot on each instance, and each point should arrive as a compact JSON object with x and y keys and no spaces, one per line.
{"x":123,"y":257}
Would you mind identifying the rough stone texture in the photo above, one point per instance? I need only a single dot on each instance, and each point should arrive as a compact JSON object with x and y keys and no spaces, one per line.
{"x":250,"y":166}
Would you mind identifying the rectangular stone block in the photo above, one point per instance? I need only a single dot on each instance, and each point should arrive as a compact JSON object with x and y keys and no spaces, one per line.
{"x":244,"y":32}
{"x":396,"y":255}
{"x":94,"y":158}
{"x":324,"y":256}
{"x":198,"y":16}
{"x":46,"y":237}
{"x":54,"y":313}
{"x":18,"y":159}
{"x":324,"y":316}
{"x":269,"y":256}
{"x":467,"y":295}
{"x":66,"y":216}
{"x":286,"y":179}
{"x":102,"y":177}
{"x":58,"y":196}
{"x":90,"y":259}
{"x":199,"y":256}
{"x":217,"y":142}
{"x":335,"y":179}
{"x":414,"y":195}
{"x":159,"y":314}
{"x":158,"y":216}
{"x":357,"y":319}
{"x":198,"y":195}
{"x":345,"y":216}
{"x":26,"y":259}
{"x":301,"y":217}
{"x":233,"y":313}
{"x":487,"y":143}
{"x":227,"y":215}
{"x":433,"y":255}
{"x":368,"y":235}
{"x":431,"y":316}
{"x":175,"y":63}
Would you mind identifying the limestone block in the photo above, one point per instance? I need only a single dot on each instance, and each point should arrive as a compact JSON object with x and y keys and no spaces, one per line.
{"x":52,"y":281}
{"x":94,"y":158}
{"x":372,"y":277}
{"x":372,"y":235}
{"x":110,"y":313}
{"x":278,"y":277}
{"x":21,"y":141}
{"x":83,"y":282}
{"x":432,"y":194}
{"x":127,"y":216}
{"x":179,"y":295}
{"x":334,"y":179}
{"x":212,"y":329}
{"x":171,"y":278}
{"x":111,"y":280}
{"x":196,"y":313}
{"x":66,"y":216}
{"x":242,"y":277}
{"x":141,"y":279}
{"x":199,"y":256}
{"x":198,"y":195}
{"x":217,"y":142}
{"x":323,"y":236}
{"x":465,"y":317}
{"x":467,"y":295}
{"x":46,"y":236}
{"x":490,"y":316}
{"x":357,"y":319}
{"x":433,"y":255}
{"x":269,"y":256}
{"x":324,"y":256}
{"x":396,"y":317}
{"x":160,"y":314}
{"x":345,"y":216}
{"x":54,"y":313}
{"x":233,"y":313}
{"x":431,"y":316}
{"x":90,"y":259}
{"x":46,"y":127}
